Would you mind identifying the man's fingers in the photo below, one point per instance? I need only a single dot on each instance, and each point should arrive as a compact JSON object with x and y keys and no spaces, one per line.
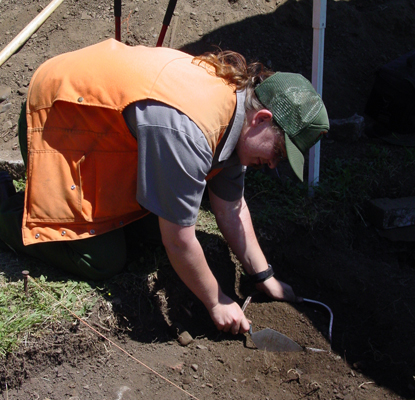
{"x":244,"y":327}
{"x":230,"y":318}
{"x":235,"y":329}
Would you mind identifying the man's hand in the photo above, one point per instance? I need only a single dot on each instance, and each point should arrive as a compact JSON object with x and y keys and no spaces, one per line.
{"x":228,"y":316}
{"x":278,"y":290}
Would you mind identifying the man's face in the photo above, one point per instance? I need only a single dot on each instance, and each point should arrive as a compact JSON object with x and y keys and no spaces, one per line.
{"x":260,"y":144}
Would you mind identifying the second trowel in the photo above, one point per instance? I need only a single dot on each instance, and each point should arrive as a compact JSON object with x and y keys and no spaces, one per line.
{"x":271,"y":340}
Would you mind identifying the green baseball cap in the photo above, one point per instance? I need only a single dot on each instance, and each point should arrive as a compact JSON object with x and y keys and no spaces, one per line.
{"x":298,"y":109}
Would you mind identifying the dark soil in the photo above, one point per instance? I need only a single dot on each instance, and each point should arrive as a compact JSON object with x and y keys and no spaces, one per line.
{"x":367,"y":280}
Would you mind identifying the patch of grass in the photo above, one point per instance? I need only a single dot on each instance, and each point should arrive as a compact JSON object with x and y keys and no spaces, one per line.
{"x":271,"y":201}
{"x":21,"y":314}
{"x":345,"y":184}
{"x":206,"y":222}
{"x":20,"y":184}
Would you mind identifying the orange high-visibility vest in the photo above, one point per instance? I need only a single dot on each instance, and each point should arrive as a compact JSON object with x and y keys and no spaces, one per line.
{"x":82,"y":158}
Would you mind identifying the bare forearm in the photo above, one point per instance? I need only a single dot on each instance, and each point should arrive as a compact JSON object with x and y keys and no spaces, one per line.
{"x":236,"y":226}
{"x":192,"y":268}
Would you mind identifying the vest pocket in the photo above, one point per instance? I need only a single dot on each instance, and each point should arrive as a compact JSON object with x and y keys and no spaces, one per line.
{"x":108,"y":183}
{"x":77,"y":187}
{"x":54,"y":192}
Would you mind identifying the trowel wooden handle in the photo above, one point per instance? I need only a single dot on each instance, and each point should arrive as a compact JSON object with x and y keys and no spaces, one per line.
{"x":247,"y":301}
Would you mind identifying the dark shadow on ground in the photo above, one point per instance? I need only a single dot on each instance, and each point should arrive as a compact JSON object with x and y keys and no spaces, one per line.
{"x":368,"y":282}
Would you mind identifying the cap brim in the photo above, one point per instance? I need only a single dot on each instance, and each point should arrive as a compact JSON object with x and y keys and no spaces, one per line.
{"x":295,"y":157}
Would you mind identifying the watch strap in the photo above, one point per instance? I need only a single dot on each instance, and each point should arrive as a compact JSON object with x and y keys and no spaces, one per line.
{"x":262,"y":276}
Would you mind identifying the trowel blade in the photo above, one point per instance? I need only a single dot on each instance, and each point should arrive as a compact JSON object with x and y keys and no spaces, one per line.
{"x":271,"y":340}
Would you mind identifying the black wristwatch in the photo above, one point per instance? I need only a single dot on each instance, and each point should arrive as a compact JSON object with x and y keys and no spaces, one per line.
{"x":262,"y":276}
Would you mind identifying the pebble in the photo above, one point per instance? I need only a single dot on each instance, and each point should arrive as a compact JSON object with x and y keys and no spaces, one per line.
{"x":185,"y":338}
{"x":195,"y":367}
{"x":85,"y":16}
{"x":5,"y":107}
{"x":7,"y":125}
{"x":5,"y":92}
{"x":22,"y":91}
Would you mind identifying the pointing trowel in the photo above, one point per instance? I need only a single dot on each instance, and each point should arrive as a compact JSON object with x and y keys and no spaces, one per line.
{"x":269,"y":339}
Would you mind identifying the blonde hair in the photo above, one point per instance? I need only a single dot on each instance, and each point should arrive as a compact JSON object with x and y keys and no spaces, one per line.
{"x":233,"y":68}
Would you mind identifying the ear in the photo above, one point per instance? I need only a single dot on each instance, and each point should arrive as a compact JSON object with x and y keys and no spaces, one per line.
{"x":261,"y":116}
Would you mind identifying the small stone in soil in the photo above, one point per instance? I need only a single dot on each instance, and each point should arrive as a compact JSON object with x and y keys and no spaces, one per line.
{"x":185,"y":338}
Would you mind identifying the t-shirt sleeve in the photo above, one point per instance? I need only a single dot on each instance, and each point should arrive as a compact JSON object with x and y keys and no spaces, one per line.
{"x":173,"y":161}
{"x":228,"y":184}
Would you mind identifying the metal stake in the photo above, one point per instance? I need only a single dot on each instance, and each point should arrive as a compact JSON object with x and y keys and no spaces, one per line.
{"x":117,"y":14}
{"x":25,"y":276}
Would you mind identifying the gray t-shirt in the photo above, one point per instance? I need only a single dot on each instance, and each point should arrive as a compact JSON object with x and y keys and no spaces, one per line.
{"x":174,"y":159}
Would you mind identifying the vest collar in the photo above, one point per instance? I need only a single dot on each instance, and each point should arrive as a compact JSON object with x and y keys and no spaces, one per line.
{"x":236,"y":127}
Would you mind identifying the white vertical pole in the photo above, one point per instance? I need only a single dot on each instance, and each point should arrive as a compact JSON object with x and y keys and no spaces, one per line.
{"x":319,"y":25}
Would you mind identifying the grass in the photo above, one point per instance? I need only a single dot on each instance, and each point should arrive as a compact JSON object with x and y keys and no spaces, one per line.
{"x":21,"y":314}
{"x":345,"y":184}
{"x":19,"y":184}
{"x":206,"y":222}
